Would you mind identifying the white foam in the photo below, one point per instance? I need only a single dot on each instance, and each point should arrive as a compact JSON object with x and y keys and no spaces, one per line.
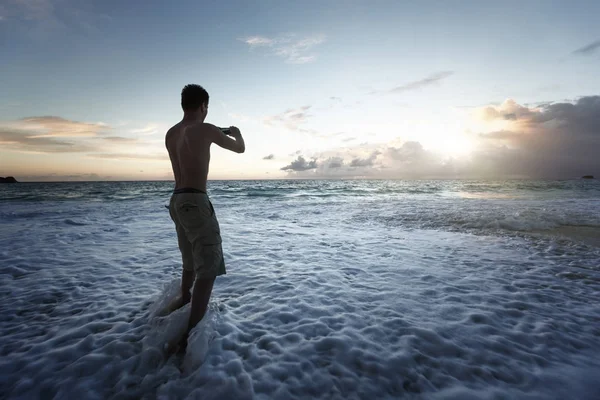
{"x":336,"y":302}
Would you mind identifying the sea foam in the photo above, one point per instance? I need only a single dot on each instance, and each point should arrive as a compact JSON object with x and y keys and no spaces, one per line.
{"x":423,"y":295}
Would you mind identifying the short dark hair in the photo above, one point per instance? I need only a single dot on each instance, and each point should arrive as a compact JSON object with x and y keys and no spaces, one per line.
{"x":192,"y":97}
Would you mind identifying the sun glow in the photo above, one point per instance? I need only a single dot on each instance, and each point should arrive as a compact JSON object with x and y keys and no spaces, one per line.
{"x":455,"y":146}
{"x":450,"y":138}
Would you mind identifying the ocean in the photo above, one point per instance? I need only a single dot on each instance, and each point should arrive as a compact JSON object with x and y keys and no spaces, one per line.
{"x":339,"y":289}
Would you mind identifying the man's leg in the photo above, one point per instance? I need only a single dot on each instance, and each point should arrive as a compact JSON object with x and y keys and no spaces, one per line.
{"x":187,"y":280}
{"x":202,"y":290}
{"x":187,"y":275}
{"x":200,"y":297}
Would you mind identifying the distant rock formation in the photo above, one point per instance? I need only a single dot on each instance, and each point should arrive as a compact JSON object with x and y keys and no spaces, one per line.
{"x":587,"y":177}
{"x":8,"y":179}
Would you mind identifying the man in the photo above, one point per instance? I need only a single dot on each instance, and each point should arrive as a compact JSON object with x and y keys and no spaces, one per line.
{"x":198,"y":232}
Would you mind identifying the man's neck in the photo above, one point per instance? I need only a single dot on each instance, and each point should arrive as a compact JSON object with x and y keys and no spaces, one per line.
{"x":193,"y":117}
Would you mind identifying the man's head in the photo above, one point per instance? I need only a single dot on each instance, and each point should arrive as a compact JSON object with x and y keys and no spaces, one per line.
{"x":194,"y":99}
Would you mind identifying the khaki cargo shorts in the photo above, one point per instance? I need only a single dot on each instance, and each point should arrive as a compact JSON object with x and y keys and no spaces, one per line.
{"x":198,"y":234}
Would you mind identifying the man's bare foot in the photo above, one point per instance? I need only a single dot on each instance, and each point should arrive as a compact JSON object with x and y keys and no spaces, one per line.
{"x":176,"y":304}
{"x":183,"y":344}
{"x":177,"y":347}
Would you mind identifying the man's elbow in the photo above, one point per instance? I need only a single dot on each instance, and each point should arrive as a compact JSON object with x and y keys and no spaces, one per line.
{"x":241,"y":149}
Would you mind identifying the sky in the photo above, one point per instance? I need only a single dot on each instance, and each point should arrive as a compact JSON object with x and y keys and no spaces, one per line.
{"x":319,"y":89}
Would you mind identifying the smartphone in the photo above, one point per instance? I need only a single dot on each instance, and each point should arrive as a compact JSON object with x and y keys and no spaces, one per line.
{"x":226,"y":131}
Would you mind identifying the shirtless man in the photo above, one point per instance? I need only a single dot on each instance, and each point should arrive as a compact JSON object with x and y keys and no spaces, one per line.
{"x":198,"y":232}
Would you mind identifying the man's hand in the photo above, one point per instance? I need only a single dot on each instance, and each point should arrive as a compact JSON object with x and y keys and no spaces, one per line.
{"x":234,"y":132}
{"x":234,"y":143}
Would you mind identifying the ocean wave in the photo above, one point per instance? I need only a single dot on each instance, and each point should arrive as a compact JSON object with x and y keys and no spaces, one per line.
{"x":326,"y":299}
{"x":127,"y":191}
{"x":576,"y":220}
{"x":69,"y":221}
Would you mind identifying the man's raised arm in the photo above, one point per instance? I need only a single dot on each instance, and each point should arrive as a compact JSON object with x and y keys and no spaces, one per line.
{"x":227,"y":142}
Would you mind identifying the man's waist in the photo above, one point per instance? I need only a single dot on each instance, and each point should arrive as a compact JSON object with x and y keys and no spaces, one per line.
{"x":188,"y":190}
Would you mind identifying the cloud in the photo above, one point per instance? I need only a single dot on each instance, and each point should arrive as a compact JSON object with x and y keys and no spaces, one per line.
{"x":415,"y":85}
{"x":551,"y":140}
{"x":41,"y":135}
{"x":559,"y":139}
{"x":583,"y":111}
{"x":40,"y":20}
{"x":408,"y":161}
{"x":365,"y":162}
{"x":508,"y":110}
{"x":53,"y":134}
{"x":300,"y":164}
{"x":334,"y":162}
{"x":254,"y":41}
{"x":51,"y":126}
{"x":149,"y":129}
{"x":27,"y":141}
{"x":131,"y":156}
{"x":292,"y":49}
{"x":588,"y":49}
{"x":290,"y":119}
{"x":54,"y":177}
{"x":499,"y":135}
{"x":269,"y":157}
{"x":119,"y":139}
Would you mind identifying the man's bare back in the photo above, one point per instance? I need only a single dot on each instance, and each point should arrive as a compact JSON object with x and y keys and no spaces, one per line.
{"x":188,"y":143}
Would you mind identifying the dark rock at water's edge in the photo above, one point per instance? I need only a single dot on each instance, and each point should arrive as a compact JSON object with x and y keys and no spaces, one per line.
{"x":587,"y":177}
{"x":8,"y":179}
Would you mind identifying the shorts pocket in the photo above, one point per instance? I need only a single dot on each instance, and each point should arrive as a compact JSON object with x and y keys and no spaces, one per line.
{"x":193,"y":210}
{"x":199,"y":222}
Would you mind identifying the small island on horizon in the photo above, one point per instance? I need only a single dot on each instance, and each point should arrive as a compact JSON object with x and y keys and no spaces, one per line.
{"x":8,"y":179}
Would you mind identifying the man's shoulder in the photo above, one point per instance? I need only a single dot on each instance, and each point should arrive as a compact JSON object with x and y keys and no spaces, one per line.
{"x":174,"y":129}
{"x":206,"y":126}
{"x":192,"y":131}
{"x":198,"y":127}
{"x":204,"y":130}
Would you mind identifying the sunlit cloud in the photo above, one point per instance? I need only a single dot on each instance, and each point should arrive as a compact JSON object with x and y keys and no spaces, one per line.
{"x":51,"y":126}
{"x":120,"y":139}
{"x":508,"y":110}
{"x":132,"y":156}
{"x":291,"y":119}
{"x":149,"y":129}
{"x":292,"y":49}
{"x":554,"y":140}
{"x":27,"y":141}
{"x":53,"y":134}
